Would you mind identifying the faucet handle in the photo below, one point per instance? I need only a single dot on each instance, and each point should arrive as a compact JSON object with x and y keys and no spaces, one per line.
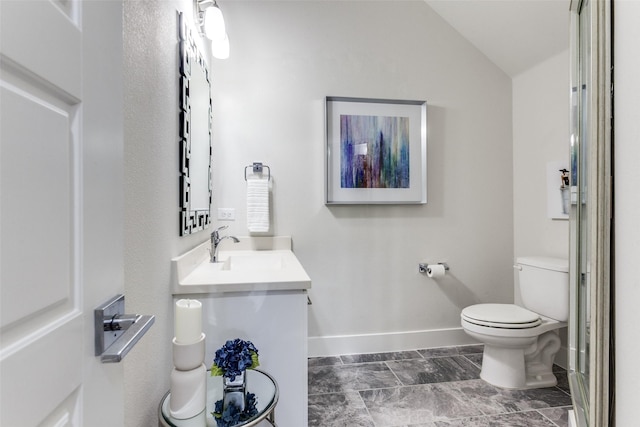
{"x":214,"y":233}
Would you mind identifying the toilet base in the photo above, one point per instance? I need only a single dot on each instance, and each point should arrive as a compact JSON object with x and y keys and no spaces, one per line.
{"x":521,"y":368}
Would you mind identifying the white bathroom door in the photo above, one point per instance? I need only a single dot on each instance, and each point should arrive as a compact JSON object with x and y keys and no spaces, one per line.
{"x":61,"y":209}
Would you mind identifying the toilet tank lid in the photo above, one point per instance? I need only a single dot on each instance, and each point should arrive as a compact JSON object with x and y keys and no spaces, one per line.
{"x":549,"y":263}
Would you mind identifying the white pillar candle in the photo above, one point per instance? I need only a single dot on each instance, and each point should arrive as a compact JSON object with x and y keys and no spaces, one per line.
{"x":188,"y":321}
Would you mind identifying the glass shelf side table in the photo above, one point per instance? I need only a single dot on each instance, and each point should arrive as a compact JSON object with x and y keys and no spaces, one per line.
{"x":258,"y":382}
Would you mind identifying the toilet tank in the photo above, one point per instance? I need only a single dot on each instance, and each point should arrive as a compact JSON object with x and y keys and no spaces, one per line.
{"x":544,"y":286}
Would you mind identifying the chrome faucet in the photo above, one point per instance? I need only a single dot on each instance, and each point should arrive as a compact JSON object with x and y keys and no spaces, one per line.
{"x":216,"y":239}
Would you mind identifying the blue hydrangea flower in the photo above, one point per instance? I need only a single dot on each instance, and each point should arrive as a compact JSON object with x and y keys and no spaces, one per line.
{"x":231,"y":415}
{"x":235,"y":357}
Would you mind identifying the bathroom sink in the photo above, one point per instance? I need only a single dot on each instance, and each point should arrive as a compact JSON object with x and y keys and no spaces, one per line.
{"x":254,"y":264}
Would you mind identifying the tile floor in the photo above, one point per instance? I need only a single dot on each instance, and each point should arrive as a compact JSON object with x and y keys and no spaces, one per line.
{"x":425,"y":388}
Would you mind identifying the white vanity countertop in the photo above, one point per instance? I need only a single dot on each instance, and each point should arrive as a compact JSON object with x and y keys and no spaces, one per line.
{"x":253,"y":264}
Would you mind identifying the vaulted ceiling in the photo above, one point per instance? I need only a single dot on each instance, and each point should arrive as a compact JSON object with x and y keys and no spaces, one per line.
{"x":514,"y":34}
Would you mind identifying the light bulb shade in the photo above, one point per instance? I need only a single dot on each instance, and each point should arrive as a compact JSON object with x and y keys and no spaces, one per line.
{"x":220,"y":48}
{"x":214,"y":27}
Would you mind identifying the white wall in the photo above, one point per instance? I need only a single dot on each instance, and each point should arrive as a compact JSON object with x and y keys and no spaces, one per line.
{"x":540,"y":135}
{"x":151,"y":81}
{"x":627,"y":206}
{"x":269,"y":106}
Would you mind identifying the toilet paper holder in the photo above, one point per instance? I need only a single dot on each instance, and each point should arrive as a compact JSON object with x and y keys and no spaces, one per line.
{"x":424,"y":266}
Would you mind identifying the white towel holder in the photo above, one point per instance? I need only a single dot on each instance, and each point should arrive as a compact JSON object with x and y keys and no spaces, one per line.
{"x":257,"y":167}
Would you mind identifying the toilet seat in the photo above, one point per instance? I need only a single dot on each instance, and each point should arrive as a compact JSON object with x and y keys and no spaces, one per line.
{"x":502,"y":316}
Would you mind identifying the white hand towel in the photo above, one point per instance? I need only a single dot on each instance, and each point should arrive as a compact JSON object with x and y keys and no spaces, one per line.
{"x":258,"y":205}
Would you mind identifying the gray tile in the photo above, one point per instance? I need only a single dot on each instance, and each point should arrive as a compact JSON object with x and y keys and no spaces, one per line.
{"x":559,"y":416}
{"x":471,"y":349}
{"x":383,"y":401}
{"x":434,"y":370}
{"x":380,"y":357}
{"x":563,"y":381}
{"x":338,"y":410}
{"x":452,"y":351}
{"x":415,"y":405}
{"x":324,"y":361}
{"x":476,"y":359}
{"x":539,"y":398}
{"x":494,"y":400}
{"x":473,"y":354}
{"x":439,"y":352}
{"x":340,"y":378}
{"x":520,"y":419}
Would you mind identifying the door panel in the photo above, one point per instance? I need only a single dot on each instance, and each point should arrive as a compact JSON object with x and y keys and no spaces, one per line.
{"x":45,"y":40}
{"x":43,"y":373}
{"x":37,"y":255}
{"x":60,"y":194}
{"x":41,"y":316}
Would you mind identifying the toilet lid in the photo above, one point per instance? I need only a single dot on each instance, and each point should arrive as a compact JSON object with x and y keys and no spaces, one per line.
{"x":508,"y":316}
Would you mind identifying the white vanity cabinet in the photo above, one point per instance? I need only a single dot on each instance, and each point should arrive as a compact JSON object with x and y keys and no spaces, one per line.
{"x":271,"y":314}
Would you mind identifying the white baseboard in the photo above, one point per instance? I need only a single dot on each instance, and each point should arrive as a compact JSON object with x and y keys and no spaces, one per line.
{"x":387,"y":342}
{"x":399,"y":341}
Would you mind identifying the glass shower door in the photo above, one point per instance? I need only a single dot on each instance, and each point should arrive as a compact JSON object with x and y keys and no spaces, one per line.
{"x":591,"y":211}
{"x":579,"y":214}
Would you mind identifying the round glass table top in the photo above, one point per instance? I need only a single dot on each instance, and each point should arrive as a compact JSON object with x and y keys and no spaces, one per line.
{"x":259,"y":383}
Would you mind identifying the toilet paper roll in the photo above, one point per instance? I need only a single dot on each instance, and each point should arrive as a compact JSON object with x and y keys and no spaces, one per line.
{"x":435,"y":271}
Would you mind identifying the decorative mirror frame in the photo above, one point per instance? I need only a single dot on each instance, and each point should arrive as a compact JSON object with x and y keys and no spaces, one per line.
{"x":191,"y":220}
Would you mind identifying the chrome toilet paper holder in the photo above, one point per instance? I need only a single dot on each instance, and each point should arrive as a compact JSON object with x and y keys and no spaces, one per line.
{"x":424,"y":266}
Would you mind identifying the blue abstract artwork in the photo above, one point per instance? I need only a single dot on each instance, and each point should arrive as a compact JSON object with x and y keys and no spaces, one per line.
{"x":374,"y":152}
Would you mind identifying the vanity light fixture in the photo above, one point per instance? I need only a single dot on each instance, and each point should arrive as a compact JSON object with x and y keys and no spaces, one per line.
{"x":220,"y":48}
{"x":210,"y":23}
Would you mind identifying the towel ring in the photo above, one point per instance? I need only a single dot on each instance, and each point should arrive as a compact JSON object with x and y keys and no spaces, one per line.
{"x":257,"y":167}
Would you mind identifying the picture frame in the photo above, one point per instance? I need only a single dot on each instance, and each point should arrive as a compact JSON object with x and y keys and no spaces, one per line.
{"x":376,"y":151}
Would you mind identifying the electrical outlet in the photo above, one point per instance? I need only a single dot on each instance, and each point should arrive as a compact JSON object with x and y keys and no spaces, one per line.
{"x":226,"y":214}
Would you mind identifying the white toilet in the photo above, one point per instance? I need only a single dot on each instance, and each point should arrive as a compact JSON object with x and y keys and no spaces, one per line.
{"x":520,"y":344}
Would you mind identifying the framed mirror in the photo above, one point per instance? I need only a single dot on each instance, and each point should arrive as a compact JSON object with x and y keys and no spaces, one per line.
{"x":195,"y":135}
